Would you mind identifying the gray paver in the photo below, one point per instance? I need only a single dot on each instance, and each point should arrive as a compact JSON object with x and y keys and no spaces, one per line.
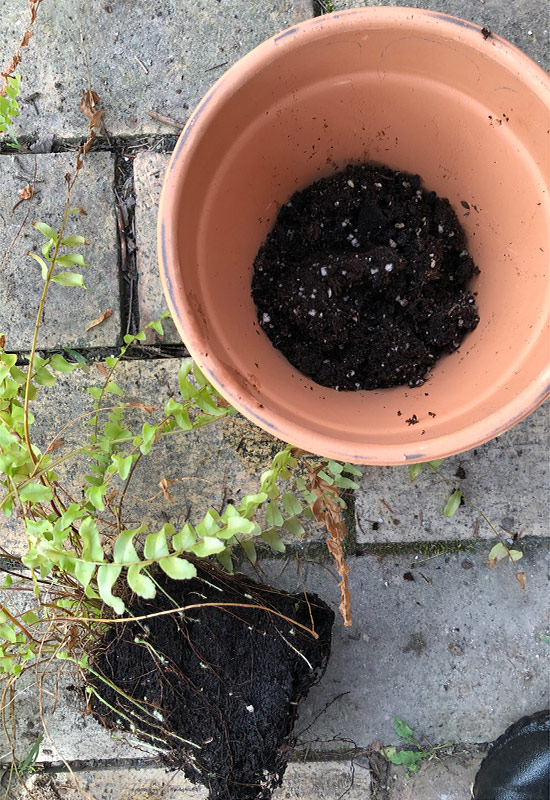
{"x":447,"y":779}
{"x":67,"y":310}
{"x":524,"y":23}
{"x":149,"y":171}
{"x":207,"y":467}
{"x":143,"y":56}
{"x":505,"y":478}
{"x":456,"y":652}
{"x":70,"y":733}
{"x":302,"y":781}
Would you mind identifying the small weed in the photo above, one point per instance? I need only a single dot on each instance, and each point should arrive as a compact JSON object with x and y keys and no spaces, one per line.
{"x":500,"y":551}
{"x":321,"y":7}
{"x":26,"y":765}
{"x":410,"y":758}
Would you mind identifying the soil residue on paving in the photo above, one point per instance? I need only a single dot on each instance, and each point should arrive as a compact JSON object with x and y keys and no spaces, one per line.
{"x":221,"y":685}
{"x":362,"y":283}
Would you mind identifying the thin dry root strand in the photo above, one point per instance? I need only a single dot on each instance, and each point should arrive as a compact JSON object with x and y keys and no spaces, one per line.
{"x":327,"y":509}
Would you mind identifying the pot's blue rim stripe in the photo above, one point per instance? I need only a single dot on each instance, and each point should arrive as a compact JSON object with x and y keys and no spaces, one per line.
{"x":284,"y":34}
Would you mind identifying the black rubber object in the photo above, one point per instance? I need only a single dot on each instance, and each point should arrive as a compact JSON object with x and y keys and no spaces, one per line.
{"x":517,"y":766}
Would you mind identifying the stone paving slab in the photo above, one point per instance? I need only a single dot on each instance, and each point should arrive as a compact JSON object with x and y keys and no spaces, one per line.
{"x":67,"y":310}
{"x":302,"y":781}
{"x":447,"y":779}
{"x":149,"y":169}
{"x":142,"y":56}
{"x":507,"y":479}
{"x":71,"y":734}
{"x":456,"y":652}
{"x":524,"y":23}
{"x":207,"y":468}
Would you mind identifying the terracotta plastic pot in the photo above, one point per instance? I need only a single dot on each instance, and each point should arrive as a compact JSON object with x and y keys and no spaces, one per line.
{"x":418,"y":91}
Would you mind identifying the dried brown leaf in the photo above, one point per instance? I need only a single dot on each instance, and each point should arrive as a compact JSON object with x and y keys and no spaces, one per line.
{"x":89,"y":100}
{"x":98,"y":320}
{"x":33,"y":4}
{"x":521,"y":577}
{"x":81,"y":210}
{"x":147,"y":409}
{"x":102,"y":369}
{"x":95,"y":119}
{"x":55,"y":444}
{"x":492,"y":562}
{"x":83,"y":149}
{"x":111,"y":497}
{"x":26,"y":192}
{"x":164,"y":484}
{"x":2,"y":341}
{"x":26,"y":38}
{"x":327,"y":509}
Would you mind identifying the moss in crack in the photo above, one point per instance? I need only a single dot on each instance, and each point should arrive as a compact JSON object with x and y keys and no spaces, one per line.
{"x":428,"y":549}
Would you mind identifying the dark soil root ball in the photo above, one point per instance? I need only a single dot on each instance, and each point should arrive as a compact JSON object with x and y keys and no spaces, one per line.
{"x":362,"y":282}
{"x":216,"y":687}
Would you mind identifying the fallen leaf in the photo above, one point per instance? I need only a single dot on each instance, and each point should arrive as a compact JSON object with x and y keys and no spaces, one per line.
{"x":164,"y":484}
{"x":54,"y":445}
{"x":102,"y":369}
{"x":148,"y":409}
{"x":26,"y":192}
{"x":81,"y":210}
{"x":89,"y":100}
{"x":34,"y":8}
{"x":492,"y":562}
{"x":98,"y":320}
{"x":2,"y":341}
{"x":111,"y":496}
{"x":520,"y":577}
{"x":95,"y":119}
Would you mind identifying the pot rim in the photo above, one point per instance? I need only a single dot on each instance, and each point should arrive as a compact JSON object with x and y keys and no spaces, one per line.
{"x":424,"y":22}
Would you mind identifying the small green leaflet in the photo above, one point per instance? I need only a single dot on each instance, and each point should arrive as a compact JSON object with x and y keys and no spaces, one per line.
{"x":107,"y":576}
{"x":69,"y":279}
{"x":414,"y":471}
{"x":403,"y":730}
{"x":43,"y":266}
{"x":139,"y":583}
{"x":453,"y":503}
{"x":410,"y":758}
{"x":272,"y":538}
{"x":35,"y":493}
{"x":124,"y":551}
{"x":156,"y":546}
{"x":73,"y":241}
{"x":45,"y":230}
{"x":500,"y":551}
{"x":178,"y":568}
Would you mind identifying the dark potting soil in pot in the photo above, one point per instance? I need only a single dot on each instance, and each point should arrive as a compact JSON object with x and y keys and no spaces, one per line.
{"x":221,"y":684}
{"x":362,"y":283}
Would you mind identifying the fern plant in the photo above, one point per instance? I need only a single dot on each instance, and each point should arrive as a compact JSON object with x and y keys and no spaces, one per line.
{"x":82,"y":563}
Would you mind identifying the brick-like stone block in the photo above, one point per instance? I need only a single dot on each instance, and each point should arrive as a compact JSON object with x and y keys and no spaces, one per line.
{"x":142,"y":56}
{"x":428,"y":643}
{"x":447,"y":777}
{"x":303,"y":781}
{"x":505,"y":478}
{"x":68,"y":310}
{"x":149,"y":171}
